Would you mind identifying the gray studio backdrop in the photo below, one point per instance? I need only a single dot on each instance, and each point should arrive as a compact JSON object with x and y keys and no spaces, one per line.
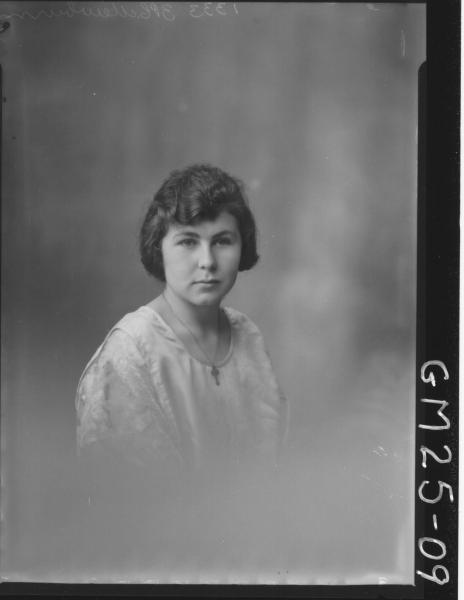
{"x":314,"y":106}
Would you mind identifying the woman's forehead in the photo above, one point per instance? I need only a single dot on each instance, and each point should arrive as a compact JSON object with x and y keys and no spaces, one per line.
{"x":223,"y":222}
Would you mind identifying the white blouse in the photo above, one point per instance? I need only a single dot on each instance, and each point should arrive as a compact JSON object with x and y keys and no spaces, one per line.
{"x":144,"y":396}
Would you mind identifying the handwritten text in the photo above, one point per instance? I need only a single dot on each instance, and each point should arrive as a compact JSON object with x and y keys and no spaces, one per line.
{"x":138,"y":11}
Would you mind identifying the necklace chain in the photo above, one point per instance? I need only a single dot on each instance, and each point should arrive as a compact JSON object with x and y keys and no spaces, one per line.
{"x":214,"y":369}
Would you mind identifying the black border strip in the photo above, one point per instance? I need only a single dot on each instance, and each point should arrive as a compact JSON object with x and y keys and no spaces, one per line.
{"x":438,"y":307}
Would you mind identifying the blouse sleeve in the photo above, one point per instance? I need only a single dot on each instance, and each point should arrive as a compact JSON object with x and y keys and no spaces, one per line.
{"x":118,"y":412}
{"x":274,"y":406}
{"x":282,"y":407}
{"x":284,"y":419}
{"x":282,"y":411}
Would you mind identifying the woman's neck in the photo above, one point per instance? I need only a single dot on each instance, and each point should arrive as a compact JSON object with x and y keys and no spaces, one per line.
{"x":202,"y":319}
{"x":204,"y":330}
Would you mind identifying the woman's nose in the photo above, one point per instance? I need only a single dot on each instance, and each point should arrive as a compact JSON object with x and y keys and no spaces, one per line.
{"x":207,"y":259}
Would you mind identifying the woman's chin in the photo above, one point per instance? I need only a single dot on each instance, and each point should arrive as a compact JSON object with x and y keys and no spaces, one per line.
{"x":202,"y":297}
{"x":207,"y":297}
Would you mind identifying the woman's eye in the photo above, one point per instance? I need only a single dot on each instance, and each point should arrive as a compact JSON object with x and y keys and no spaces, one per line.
{"x":188,"y":243}
{"x":224,"y":241}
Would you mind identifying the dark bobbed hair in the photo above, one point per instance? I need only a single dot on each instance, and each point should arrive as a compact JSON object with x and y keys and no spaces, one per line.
{"x":197,"y":193}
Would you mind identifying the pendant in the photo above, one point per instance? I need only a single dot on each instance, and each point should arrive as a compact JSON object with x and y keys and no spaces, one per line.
{"x":215,"y":374}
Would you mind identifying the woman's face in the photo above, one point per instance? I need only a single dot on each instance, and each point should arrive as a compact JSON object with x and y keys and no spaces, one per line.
{"x":201,"y":261}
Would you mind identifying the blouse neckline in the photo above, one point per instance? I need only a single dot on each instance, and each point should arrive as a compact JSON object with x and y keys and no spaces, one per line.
{"x":174,"y":335}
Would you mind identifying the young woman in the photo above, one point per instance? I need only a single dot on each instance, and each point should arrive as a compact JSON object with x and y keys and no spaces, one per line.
{"x":184,"y":380}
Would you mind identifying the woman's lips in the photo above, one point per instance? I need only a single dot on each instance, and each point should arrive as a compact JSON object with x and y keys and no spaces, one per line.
{"x":207,"y":282}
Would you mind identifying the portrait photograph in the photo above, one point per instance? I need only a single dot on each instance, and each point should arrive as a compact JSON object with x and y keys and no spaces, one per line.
{"x":210,"y":291}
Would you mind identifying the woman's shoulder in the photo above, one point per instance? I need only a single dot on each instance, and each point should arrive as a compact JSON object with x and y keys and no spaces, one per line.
{"x":137,"y":322}
{"x":242,"y":323}
{"x":136,"y":336}
{"x":143,"y":325}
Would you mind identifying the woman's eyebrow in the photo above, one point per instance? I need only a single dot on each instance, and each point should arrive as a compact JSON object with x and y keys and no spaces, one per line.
{"x":192,"y":233}
{"x":188,"y":232}
{"x":225,"y":232}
